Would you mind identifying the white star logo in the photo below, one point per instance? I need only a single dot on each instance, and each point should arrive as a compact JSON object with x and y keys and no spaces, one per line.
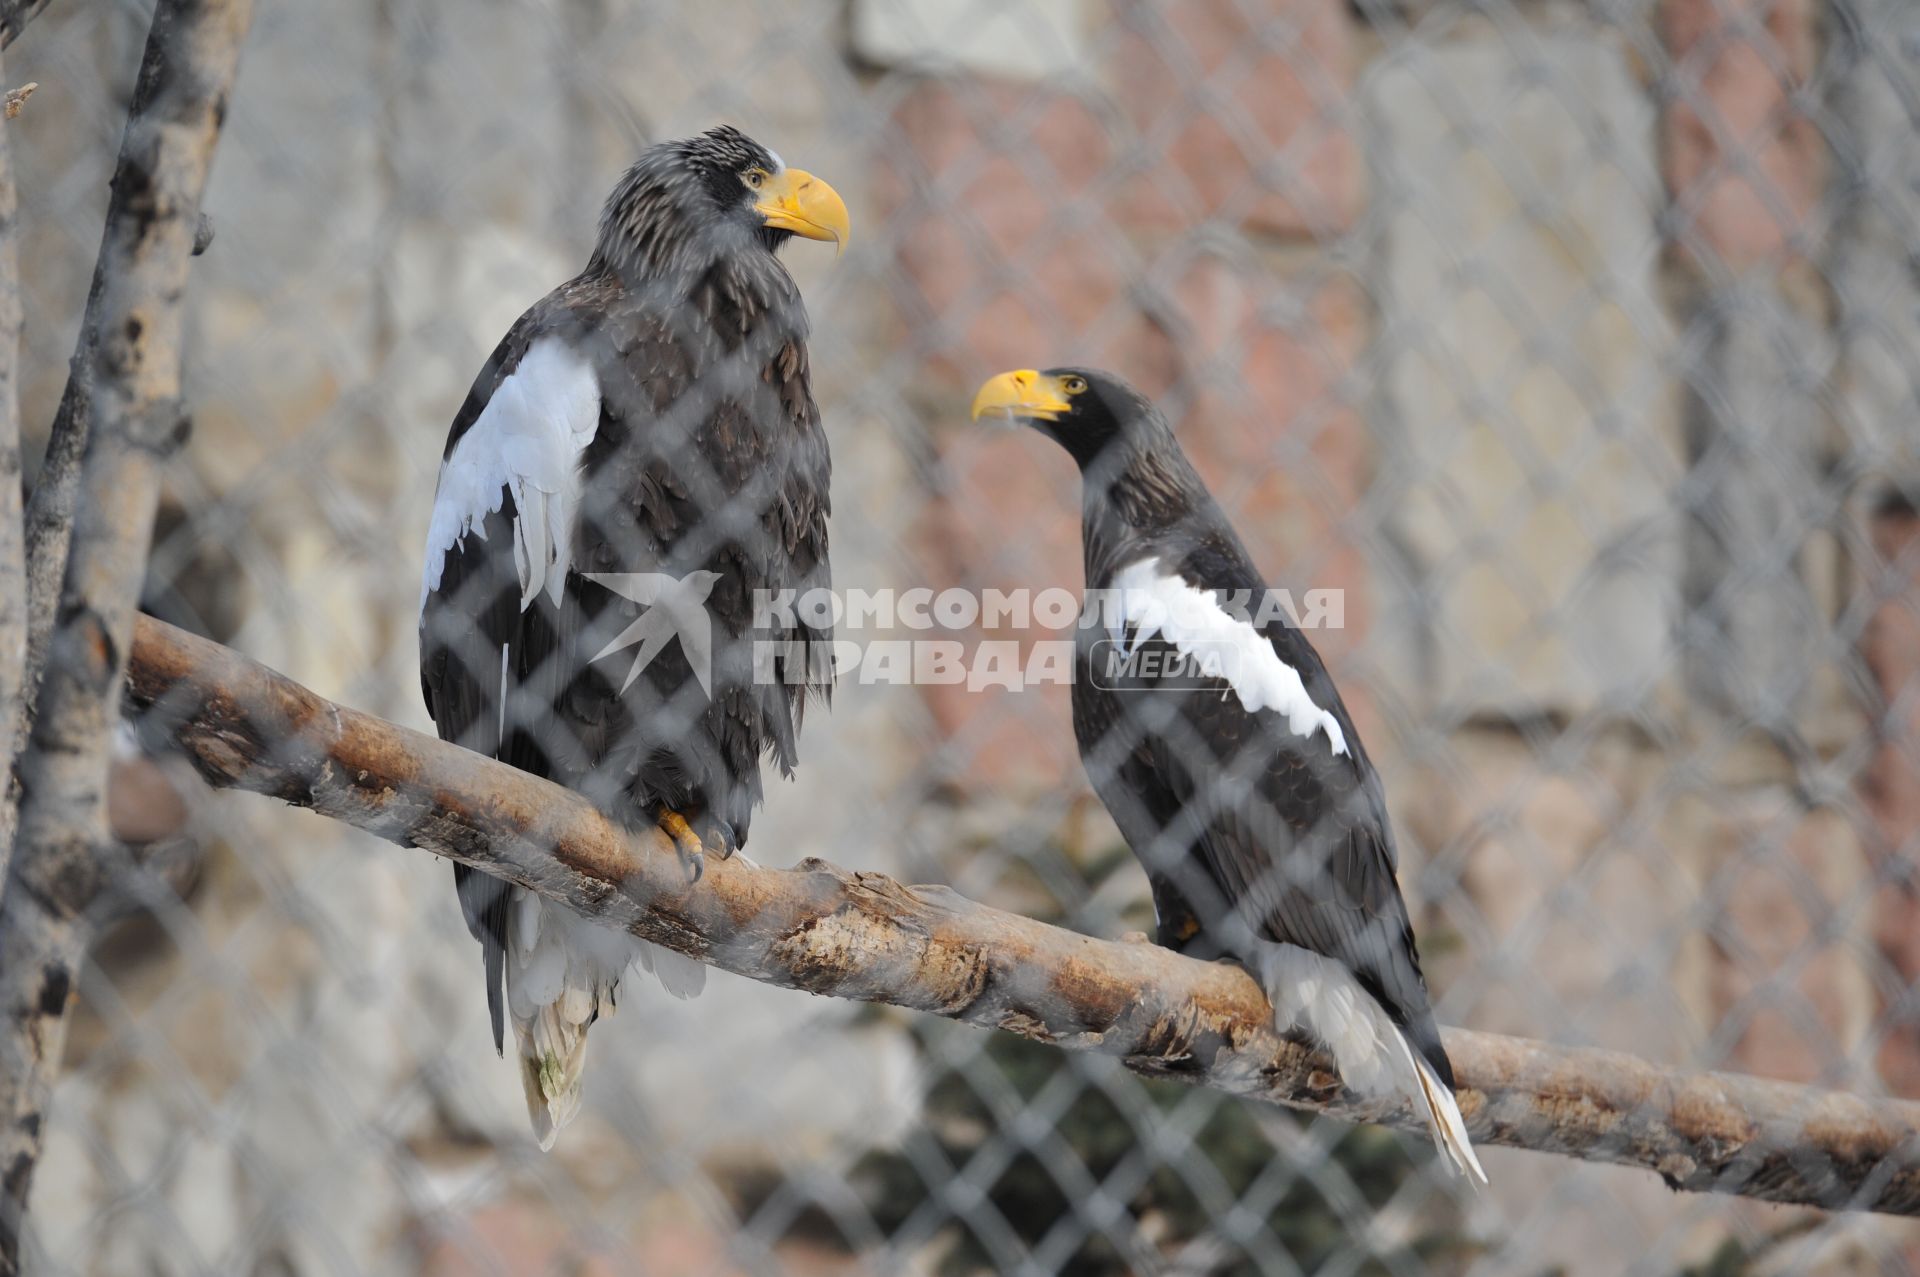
{"x":675,"y":606}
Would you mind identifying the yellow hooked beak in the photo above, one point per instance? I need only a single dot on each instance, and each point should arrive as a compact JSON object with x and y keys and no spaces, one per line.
{"x":795,"y":200}
{"x":1022,"y":393}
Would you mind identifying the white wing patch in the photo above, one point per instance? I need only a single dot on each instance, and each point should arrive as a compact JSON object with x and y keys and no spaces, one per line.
{"x":1158,"y":602}
{"x":527,"y":441}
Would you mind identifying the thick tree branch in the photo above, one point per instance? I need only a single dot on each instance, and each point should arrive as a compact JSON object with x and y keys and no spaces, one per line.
{"x":127,"y":423}
{"x":865,"y":936}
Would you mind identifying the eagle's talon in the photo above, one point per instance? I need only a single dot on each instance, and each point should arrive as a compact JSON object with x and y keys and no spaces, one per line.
{"x":693,"y":853}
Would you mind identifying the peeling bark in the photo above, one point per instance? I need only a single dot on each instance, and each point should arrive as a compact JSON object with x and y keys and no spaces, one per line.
{"x":864,"y":936}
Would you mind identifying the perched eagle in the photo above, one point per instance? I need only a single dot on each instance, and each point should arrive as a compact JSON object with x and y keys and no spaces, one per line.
{"x":1213,"y":734}
{"x":640,"y":456}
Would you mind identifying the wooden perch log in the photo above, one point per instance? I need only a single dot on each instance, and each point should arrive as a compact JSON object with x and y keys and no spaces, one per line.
{"x":864,"y":936}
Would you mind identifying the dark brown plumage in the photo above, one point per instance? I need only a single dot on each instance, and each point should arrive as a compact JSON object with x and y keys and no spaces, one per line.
{"x":644,"y":439}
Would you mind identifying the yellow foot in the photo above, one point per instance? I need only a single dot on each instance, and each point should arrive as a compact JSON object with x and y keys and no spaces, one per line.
{"x":693,"y":856}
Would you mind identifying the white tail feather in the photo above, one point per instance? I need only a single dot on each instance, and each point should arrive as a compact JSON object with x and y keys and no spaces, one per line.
{"x":562,"y":974}
{"x":553,"y":1057}
{"x":678,"y":974}
{"x":1313,"y":992}
{"x":1443,"y":1118}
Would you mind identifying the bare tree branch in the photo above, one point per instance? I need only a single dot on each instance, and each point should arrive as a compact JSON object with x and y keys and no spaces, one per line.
{"x":14,"y":16}
{"x":53,"y":509}
{"x":13,"y":564}
{"x":130,"y":420}
{"x":867,"y":937}
{"x":50,"y":514}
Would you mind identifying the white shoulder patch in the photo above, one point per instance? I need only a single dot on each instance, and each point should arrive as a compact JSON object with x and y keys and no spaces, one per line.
{"x":527,"y":441}
{"x":1153,"y":602}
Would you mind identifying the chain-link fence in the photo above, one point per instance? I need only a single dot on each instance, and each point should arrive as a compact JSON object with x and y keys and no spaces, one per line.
{"x":1563,"y":358}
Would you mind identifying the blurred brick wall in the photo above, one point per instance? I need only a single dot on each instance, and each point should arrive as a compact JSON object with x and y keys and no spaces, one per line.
{"x":1523,"y":332}
{"x":1043,"y":227}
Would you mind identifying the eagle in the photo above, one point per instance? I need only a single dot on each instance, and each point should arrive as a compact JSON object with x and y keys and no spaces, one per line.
{"x":1215,"y":737}
{"x":640,"y":461}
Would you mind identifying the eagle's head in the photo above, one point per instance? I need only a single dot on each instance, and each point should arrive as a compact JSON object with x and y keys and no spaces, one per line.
{"x":1088,"y":412}
{"x":693,"y":198}
{"x":1128,"y":459}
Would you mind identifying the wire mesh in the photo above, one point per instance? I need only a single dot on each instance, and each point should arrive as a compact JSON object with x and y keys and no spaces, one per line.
{"x":1571,"y":348}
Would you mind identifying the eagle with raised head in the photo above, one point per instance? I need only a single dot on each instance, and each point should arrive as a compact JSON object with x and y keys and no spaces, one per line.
{"x":1214,"y":735}
{"x":638,"y":461}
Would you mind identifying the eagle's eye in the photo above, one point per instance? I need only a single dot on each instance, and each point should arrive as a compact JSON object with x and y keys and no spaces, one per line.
{"x":756,"y":178}
{"x":1073,"y":385}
